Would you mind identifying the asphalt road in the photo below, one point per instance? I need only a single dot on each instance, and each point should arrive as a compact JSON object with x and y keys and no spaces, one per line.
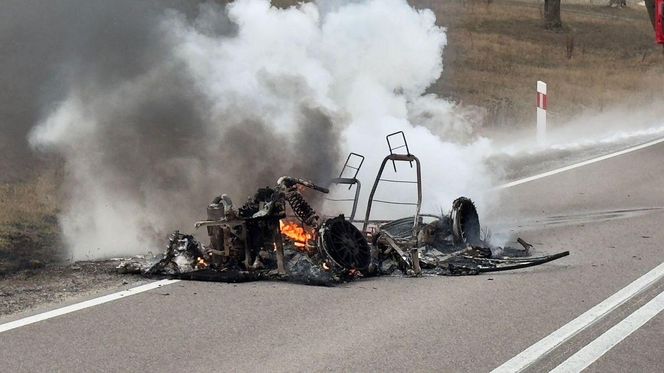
{"x":603,"y":213}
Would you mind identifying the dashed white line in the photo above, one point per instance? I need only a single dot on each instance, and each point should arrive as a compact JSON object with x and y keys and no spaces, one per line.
{"x":569,"y":330}
{"x":580,"y":164}
{"x":82,"y":305}
{"x":595,"y":349}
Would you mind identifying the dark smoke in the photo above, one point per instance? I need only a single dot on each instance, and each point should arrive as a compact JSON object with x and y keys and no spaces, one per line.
{"x":141,"y":147}
{"x":48,"y":46}
{"x":156,"y":106}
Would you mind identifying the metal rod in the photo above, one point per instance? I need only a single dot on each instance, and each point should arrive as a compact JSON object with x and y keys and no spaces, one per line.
{"x":415,"y":258}
{"x":357,"y":169}
{"x":279,"y":245}
{"x":247,"y":250}
{"x":534,"y":262}
{"x":396,"y":203}
{"x":399,"y":181}
{"x":393,"y":158}
{"x":358,"y":187}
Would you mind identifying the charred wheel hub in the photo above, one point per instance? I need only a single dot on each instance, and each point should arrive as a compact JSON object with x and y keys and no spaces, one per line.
{"x":344,"y":244}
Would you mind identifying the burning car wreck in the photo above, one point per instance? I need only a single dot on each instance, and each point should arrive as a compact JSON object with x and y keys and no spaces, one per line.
{"x":278,"y":235}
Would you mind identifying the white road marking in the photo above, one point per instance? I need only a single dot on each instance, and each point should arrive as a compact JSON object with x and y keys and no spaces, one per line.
{"x":580,"y":164}
{"x":79,"y":306}
{"x":595,"y":349}
{"x":569,"y":330}
{"x":111,"y":297}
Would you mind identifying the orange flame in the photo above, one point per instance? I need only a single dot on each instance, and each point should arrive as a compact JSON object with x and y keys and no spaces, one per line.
{"x":296,"y":233}
{"x":201,"y":263}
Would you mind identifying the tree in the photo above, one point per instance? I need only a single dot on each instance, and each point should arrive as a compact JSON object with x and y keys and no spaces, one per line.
{"x":552,"y":15}
{"x":650,"y":5}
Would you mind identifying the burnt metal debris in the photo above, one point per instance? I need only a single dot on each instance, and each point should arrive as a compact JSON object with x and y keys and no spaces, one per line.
{"x":277,"y":234}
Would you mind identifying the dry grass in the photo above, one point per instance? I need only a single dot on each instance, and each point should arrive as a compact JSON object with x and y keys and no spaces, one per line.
{"x":496,"y":52}
{"x":28,"y":224}
{"x":28,"y":201}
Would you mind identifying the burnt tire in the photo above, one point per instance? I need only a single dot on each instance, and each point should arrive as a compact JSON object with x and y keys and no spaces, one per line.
{"x":465,"y":222}
{"x":345,"y":245}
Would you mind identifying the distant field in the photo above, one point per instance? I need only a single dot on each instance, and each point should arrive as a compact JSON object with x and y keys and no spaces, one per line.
{"x":496,"y":53}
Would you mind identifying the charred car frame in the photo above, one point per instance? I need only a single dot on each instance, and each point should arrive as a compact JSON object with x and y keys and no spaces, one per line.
{"x":277,"y":234}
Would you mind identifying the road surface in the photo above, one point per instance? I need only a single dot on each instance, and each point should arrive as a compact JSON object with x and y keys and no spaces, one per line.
{"x":609,"y":214}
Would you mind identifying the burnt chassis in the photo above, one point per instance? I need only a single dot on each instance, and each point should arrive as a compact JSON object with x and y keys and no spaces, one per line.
{"x":463,"y":253}
{"x":247,"y":242}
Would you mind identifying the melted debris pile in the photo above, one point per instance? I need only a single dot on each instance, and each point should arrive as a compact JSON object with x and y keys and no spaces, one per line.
{"x":277,"y":234}
{"x":185,"y":258}
{"x":336,"y":252}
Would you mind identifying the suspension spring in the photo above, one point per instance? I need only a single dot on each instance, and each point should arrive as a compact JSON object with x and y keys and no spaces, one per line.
{"x":302,"y":209}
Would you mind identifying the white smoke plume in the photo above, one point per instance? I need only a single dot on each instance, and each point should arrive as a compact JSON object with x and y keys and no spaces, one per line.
{"x":232,"y":97}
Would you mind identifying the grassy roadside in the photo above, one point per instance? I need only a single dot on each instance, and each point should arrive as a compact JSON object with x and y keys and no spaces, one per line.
{"x":28,"y":224}
{"x":496,"y":52}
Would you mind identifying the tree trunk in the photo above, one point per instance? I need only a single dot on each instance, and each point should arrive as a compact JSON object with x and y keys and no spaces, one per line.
{"x":552,"y":14}
{"x":650,"y":5}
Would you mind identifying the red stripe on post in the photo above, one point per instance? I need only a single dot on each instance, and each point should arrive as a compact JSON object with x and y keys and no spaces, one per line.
{"x":541,"y":101}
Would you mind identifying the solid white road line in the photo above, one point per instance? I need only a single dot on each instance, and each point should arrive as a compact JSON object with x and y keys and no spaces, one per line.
{"x":569,"y":330}
{"x":79,"y":306}
{"x":595,"y":349}
{"x":108,"y":298}
{"x":577,"y":165}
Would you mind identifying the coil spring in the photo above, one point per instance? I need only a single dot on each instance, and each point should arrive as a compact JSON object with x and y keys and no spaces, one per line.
{"x":301,"y":208}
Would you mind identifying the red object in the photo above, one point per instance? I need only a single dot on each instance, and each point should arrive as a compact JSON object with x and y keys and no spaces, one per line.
{"x":659,"y":21}
{"x":541,"y":99}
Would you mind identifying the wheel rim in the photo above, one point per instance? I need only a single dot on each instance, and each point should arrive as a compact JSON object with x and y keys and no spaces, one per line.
{"x":345,"y":245}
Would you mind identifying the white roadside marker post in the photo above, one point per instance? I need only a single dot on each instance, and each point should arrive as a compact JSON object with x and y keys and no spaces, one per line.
{"x":541,"y":113}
